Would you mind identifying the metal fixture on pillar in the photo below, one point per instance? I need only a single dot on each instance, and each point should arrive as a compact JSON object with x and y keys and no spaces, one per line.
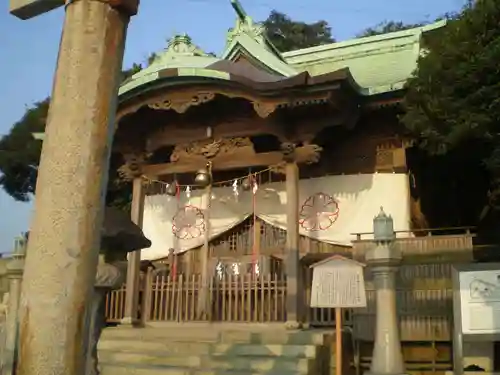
{"x":384,"y":259}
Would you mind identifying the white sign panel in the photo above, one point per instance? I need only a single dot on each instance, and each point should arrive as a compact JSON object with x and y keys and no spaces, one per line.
{"x":25,"y":9}
{"x":480,"y":301}
{"x":338,"y":282}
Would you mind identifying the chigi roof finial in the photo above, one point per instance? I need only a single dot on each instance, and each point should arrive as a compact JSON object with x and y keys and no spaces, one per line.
{"x":238,"y":8}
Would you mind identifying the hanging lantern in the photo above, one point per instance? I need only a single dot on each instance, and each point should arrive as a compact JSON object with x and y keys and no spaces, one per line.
{"x":246,"y":184}
{"x":172,"y":189}
{"x":203,"y":178}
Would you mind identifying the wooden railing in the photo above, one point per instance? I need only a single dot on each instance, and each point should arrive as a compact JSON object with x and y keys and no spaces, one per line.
{"x":244,"y":298}
{"x":233,"y":299}
{"x":115,"y":305}
{"x":437,"y":245}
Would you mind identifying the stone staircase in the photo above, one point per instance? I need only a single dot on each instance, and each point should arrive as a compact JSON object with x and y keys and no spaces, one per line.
{"x":204,"y":349}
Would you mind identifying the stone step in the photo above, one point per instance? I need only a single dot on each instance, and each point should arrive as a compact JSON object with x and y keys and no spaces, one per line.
{"x":257,"y":364}
{"x":155,"y":370}
{"x":164,"y":347}
{"x":207,"y":348}
{"x":226,"y":336}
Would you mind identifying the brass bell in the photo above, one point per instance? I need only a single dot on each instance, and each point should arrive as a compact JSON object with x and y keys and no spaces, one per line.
{"x":172,"y":189}
{"x":203,"y":178}
{"x":246,"y":184}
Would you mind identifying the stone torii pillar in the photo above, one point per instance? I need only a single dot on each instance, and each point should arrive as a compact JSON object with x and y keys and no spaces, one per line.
{"x":384,"y":260}
{"x":64,"y":238}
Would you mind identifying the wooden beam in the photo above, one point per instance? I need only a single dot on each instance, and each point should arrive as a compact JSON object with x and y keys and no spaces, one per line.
{"x":184,"y":132}
{"x":236,"y":160}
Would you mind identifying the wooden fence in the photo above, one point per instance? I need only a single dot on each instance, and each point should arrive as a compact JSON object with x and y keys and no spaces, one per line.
{"x":243,"y":298}
{"x":424,"y":300}
{"x":115,"y":305}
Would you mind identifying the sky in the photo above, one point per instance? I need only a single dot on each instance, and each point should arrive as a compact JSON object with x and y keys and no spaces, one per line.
{"x":28,"y":49}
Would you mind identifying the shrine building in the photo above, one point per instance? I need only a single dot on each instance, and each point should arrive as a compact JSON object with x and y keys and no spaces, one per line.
{"x":249,"y":166}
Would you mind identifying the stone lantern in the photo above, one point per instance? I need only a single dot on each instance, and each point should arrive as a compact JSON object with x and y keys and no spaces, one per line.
{"x":15,"y":270}
{"x":384,"y":259}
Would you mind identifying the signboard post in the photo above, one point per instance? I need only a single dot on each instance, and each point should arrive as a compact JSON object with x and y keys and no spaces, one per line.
{"x":476,"y":306}
{"x":338,"y":283}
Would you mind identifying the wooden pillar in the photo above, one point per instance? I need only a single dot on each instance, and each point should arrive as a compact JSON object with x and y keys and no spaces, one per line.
{"x":134,"y":261}
{"x":293,"y":298}
{"x":203,"y":297}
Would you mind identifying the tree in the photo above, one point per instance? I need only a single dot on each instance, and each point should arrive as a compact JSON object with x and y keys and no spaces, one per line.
{"x":20,"y":153}
{"x":453,"y":101}
{"x":287,"y":34}
{"x":388,"y":27}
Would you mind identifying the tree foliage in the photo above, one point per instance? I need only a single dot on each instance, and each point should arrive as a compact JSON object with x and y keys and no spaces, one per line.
{"x":453,"y":100}
{"x":20,"y":152}
{"x":288,"y":35}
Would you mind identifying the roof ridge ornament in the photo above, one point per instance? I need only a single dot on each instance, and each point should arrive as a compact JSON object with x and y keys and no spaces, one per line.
{"x":182,"y":45}
{"x":245,"y":25}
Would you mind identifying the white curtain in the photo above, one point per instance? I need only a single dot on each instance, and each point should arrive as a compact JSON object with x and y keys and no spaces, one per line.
{"x":331,"y":209}
{"x":170,"y":222}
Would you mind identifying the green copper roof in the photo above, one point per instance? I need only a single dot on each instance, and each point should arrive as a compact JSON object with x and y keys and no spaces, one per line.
{"x":180,"y":53}
{"x":249,"y":39}
{"x":378,"y":64}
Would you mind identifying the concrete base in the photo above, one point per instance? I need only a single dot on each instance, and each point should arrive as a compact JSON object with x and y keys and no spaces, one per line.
{"x":292,"y":325}
{"x":129,"y":322}
{"x":478,"y":353}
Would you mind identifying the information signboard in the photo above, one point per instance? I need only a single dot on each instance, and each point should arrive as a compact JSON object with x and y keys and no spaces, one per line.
{"x":338,"y":282}
{"x":476,"y":307}
{"x":480,"y":301}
